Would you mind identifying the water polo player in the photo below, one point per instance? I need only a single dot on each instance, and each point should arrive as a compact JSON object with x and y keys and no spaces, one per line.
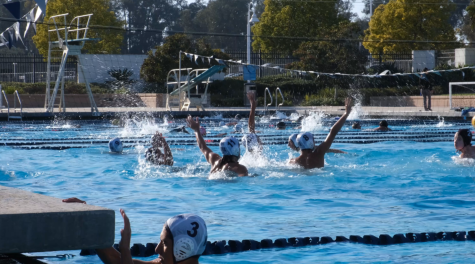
{"x":383,"y":127}
{"x":251,"y":141}
{"x":229,"y":146}
{"x":155,"y":155}
{"x":115,"y":145}
{"x":463,"y":143}
{"x":182,"y":241}
{"x":314,"y":157}
{"x":293,"y":145}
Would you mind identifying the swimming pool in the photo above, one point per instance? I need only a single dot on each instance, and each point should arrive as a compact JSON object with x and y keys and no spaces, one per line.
{"x":408,"y":180}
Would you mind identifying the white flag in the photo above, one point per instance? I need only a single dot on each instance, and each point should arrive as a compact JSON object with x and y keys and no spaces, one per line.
{"x":38,"y":14}
{"x":196,"y":59}
{"x":42,"y":4}
{"x":28,"y":19}
{"x":2,"y":40}
{"x":16,"y":27}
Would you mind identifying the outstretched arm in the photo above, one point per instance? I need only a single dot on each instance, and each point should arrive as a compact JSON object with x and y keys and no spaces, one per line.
{"x":252,"y":123}
{"x":336,"y":151}
{"x":210,"y":156}
{"x":167,"y":157}
{"x":325,"y":146}
{"x":110,"y":255}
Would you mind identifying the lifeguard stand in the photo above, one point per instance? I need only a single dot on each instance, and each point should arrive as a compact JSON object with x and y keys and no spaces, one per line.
{"x":70,"y":47}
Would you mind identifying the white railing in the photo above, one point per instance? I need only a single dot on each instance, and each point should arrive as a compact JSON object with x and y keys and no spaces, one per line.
{"x":266,"y":106}
{"x":276,"y":98}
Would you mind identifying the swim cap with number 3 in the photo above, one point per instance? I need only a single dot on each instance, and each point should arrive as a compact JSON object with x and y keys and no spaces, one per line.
{"x":189,"y":235}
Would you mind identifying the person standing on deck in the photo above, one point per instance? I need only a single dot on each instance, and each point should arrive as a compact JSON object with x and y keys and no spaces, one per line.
{"x":426,"y":90}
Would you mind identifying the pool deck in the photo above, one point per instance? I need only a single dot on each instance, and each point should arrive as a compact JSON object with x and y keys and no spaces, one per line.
{"x":32,"y":222}
{"x":366,"y":112}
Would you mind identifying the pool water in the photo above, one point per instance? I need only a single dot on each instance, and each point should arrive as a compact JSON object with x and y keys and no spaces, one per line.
{"x":408,"y":180}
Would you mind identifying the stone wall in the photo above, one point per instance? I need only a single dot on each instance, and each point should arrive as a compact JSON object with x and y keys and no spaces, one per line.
{"x":416,"y":101}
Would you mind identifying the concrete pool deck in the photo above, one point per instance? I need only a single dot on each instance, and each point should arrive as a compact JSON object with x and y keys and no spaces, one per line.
{"x":366,"y":111}
{"x":32,"y":222}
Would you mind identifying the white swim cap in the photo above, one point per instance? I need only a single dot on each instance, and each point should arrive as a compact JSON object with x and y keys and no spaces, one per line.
{"x":305,"y":141}
{"x":293,"y":137}
{"x":189,"y":235}
{"x":250,"y":141}
{"x":229,"y":146}
{"x":115,"y":145}
{"x":238,"y":128}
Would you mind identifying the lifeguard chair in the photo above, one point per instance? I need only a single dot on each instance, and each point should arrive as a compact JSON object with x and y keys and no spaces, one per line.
{"x":70,"y":47}
{"x":176,"y":100}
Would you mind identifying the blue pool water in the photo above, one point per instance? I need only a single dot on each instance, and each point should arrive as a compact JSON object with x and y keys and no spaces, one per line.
{"x":395,"y":185}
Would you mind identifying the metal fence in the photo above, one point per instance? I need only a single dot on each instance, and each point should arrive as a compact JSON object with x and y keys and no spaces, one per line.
{"x":273,"y":59}
{"x":32,"y":68}
{"x":445,"y":57}
{"x":400,"y":60}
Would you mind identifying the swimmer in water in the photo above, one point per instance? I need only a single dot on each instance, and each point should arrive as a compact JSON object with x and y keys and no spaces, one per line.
{"x":356,"y":125}
{"x":463,"y":144}
{"x":229,"y":146}
{"x":280,"y":126}
{"x":203,"y":130}
{"x":237,"y":118}
{"x":182,"y":241}
{"x":293,"y":145}
{"x":314,"y":157}
{"x":155,"y":156}
{"x":251,"y":141}
{"x":181,"y":129}
{"x":383,"y":127}
{"x":115,"y":145}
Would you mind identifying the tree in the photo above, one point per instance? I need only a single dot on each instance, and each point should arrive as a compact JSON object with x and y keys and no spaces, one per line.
{"x":110,"y":39}
{"x":150,"y":16}
{"x":333,"y":56}
{"x":156,"y":67}
{"x":398,"y":24}
{"x":293,"y":19}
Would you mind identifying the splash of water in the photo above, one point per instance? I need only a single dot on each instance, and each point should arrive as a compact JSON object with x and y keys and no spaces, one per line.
{"x":217,"y":116}
{"x":279,"y":115}
{"x":142,"y":127}
{"x":294,"y":116}
{"x":464,"y":162}
{"x":313,"y":122}
{"x":442,"y":122}
{"x":357,"y":112}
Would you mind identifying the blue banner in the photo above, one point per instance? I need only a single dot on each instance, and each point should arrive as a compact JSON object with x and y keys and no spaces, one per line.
{"x":249,"y":73}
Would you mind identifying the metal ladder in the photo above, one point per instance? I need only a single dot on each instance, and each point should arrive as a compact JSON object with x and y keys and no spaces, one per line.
{"x":266,"y":106}
{"x":277,"y":107}
{"x":16,"y":97}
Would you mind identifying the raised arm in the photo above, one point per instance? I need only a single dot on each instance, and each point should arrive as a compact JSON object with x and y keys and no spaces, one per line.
{"x":252,"y":123}
{"x":210,"y":156}
{"x":325,"y":146}
{"x":167,"y":157}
